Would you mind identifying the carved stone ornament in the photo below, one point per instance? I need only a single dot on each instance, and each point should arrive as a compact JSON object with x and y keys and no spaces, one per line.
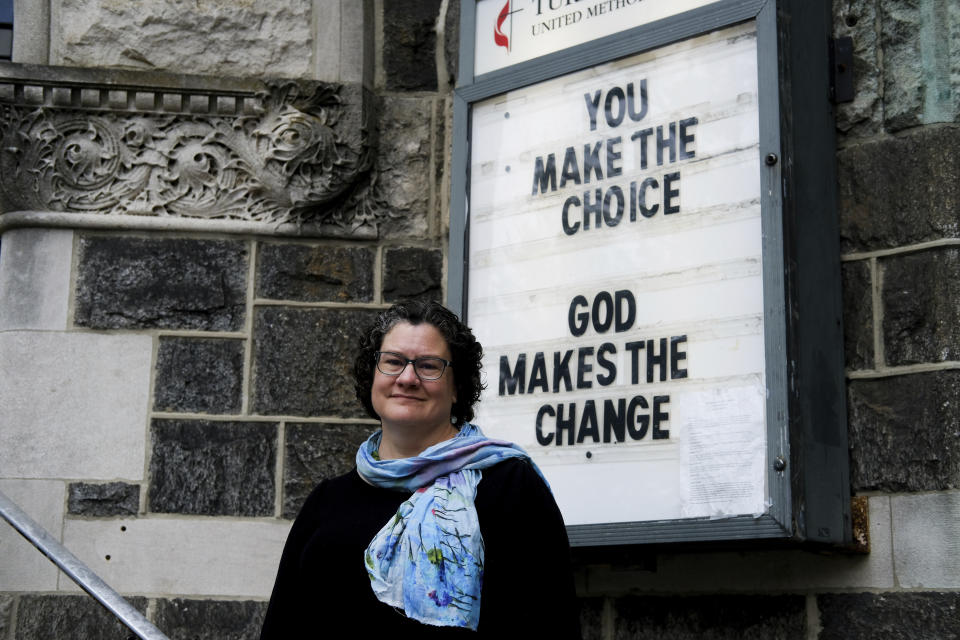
{"x":274,"y":152}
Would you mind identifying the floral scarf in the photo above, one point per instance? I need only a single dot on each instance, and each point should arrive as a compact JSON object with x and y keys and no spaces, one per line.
{"x":428,"y":559}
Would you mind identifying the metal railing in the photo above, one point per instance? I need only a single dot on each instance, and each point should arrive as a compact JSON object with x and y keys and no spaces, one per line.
{"x":78,"y":571}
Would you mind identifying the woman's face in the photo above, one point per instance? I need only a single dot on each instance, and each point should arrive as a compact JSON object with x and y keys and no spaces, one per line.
{"x":406,"y":401}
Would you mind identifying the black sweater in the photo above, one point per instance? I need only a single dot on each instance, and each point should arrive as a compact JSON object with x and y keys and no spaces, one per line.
{"x":322,"y":589}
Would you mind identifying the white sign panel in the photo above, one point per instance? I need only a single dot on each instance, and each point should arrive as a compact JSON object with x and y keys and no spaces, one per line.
{"x":615,"y":281}
{"x":512,"y":31}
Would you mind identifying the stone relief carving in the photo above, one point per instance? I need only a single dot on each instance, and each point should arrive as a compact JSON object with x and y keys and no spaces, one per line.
{"x":295,"y":152}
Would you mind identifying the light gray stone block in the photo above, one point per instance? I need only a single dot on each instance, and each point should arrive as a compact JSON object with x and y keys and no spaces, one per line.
{"x":31,"y":32}
{"x":926,"y":540}
{"x":35,"y":279}
{"x":73,"y":405}
{"x":188,"y":556}
{"x":22,"y":567}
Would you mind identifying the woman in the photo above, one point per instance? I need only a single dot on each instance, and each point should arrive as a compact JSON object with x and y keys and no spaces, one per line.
{"x":438,"y":531}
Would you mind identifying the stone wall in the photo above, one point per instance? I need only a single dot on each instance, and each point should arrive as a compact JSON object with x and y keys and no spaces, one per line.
{"x":171,"y":394}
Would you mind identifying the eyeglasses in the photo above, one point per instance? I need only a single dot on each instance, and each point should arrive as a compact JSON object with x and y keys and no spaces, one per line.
{"x":426,"y":368}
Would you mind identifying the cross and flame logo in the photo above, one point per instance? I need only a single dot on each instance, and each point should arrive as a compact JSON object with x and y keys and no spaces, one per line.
{"x":501,"y":38}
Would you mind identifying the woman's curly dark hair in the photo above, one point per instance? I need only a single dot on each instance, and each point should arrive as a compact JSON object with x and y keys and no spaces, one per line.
{"x":465,"y":353}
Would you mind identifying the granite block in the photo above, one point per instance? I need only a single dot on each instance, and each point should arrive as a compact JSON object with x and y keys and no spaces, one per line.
{"x":889,"y":616}
{"x":857,"y":315}
{"x":126,"y":282}
{"x":409,"y":45}
{"x":921,"y":306}
{"x":183,"y":619}
{"x":315,"y":452}
{"x":902,"y":432}
{"x":412,"y":273}
{"x":43,"y":617}
{"x":311,"y":273}
{"x":726,"y":617}
{"x":212,"y":468}
{"x":200,"y":375}
{"x":303,"y":360}
{"x":103,"y":500}
{"x":404,"y":180}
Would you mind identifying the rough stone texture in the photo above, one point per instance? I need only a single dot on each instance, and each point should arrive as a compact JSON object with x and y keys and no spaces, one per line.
{"x":6,"y":608}
{"x":921,"y":312}
{"x":864,"y":115}
{"x":857,"y":315}
{"x":213,"y":468}
{"x":451,"y":45}
{"x":160,"y":283}
{"x":411,"y":273}
{"x":711,"y":618}
{"x":403,"y":169}
{"x":310,"y":273}
{"x":899,"y":191}
{"x":303,"y":360}
{"x":903,"y":432}
{"x":218,"y":37}
{"x":591,"y":618}
{"x":108,"y":499}
{"x":409,"y":45}
{"x":891,"y":616}
{"x":210,"y":619}
{"x":313,"y":453}
{"x":921,"y":60}
{"x":926,"y":535}
{"x":202,"y":375}
{"x":43,"y":617}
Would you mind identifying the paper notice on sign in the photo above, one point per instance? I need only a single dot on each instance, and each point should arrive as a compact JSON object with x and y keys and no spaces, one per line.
{"x":723,"y":452}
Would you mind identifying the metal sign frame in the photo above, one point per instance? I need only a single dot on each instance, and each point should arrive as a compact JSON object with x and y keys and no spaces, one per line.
{"x":807,"y":468}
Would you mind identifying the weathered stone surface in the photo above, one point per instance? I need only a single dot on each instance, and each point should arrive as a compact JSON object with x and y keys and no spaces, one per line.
{"x":902,"y":432}
{"x":315,"y":452}
{"x":864,"y":115}
{"x":213,"y":468}
{"x":303,"y":360}
{"x":42,"y":617}
{"x":182,"y":619}
{"x":591,"y":618}
{"x":920,"y":62}
{"x":857,"y":315}
{"x":6,"y":609}
{"x":311,"y":273}
{"x":451,"y":32}
{"x":222,"y":37}
{"x":921,"y":306}
{"x":409,"y":45}
{"x":926,"y":530}
{"x":160,"y":283}
{"x":889,"y":616}
{"x":714,"y":617}
{"x":899,"y":191}
{"x":108,"y":499}
{"x":403,"y":171}
{"x":412,"y":273}
{"x":202,"y":375}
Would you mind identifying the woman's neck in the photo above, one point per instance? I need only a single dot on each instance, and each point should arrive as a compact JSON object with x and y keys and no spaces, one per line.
{"x":397,"y":443}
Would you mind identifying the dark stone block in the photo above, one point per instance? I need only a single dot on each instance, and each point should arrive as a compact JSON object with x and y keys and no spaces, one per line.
{"x":307,"y":273}
{"x":451,"y":45}
{"x":921,"y":306}
{"x":303,"y":360}
{"x":404,"y":180}
{"x":213,"y":468}
{"x":591,"y":618}
{"x":409,"y":45}
{"x":109,"y":499}
{"x":161,"y":283}
{"x":889,"y":616}
{"x":315,"y":452}
{"x":903,"y":434}
{"x":714,"y":617}
{"x":201,"y":375}
{"x":900,"y":191}
{"x":210,"y":619}
{"x":44,"y":617}
{"x":411,"y":273}
{"x":857,"y":315}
